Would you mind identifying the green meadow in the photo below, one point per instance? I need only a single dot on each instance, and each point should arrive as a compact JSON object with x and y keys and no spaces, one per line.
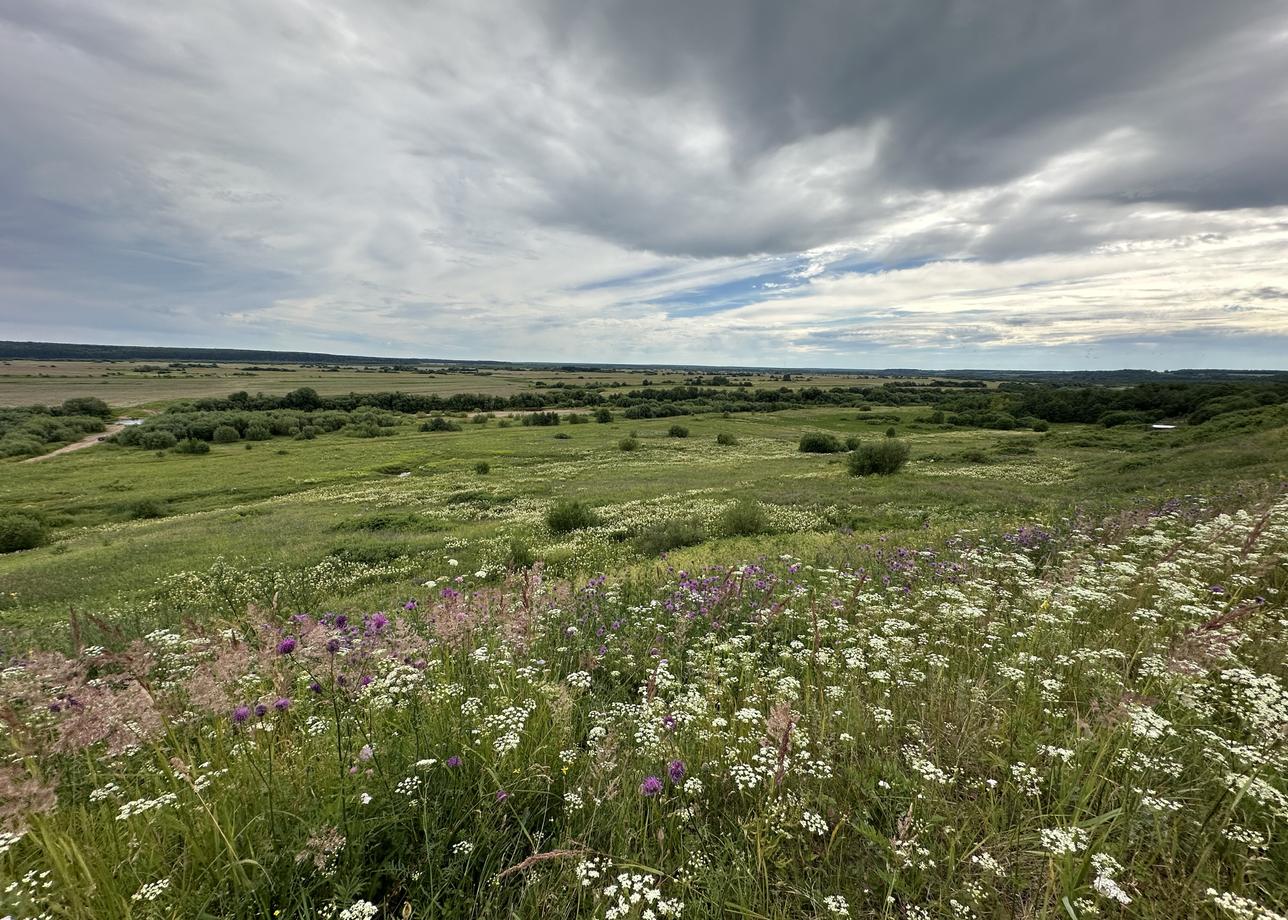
{"x":363,"y":664}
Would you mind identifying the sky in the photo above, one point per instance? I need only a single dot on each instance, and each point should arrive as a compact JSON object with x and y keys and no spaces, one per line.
{"x":821,"y":183}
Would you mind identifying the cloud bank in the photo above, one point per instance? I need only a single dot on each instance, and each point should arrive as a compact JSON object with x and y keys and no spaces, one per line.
{"x":828,"y":183}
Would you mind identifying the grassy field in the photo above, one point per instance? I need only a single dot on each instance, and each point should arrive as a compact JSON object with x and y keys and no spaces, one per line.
{"x":127,"y":519}
{"x":1031,"y":674}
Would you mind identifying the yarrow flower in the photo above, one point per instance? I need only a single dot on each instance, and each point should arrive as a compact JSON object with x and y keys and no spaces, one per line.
{"x":1064,"y":841}
{"x":651,"y":786}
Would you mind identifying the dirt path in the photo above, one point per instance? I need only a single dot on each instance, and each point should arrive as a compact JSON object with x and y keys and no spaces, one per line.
{"x":87,"y":441}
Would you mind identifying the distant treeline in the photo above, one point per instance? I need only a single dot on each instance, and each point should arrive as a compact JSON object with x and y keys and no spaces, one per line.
{"x":61,"y":351}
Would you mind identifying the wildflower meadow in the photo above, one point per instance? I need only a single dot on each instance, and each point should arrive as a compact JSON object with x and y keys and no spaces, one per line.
{"x":1076,"y":718}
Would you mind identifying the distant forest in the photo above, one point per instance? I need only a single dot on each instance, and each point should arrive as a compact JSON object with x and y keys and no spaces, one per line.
{"x":61,"y":351}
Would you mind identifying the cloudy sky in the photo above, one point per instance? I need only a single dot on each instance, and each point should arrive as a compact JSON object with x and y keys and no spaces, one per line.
{"x":846,"y":183}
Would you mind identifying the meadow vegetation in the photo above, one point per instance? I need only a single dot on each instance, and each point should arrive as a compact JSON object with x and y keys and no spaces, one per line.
{"x":370,"y":656}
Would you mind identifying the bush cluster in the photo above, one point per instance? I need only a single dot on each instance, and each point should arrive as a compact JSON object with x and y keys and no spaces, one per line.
{"x":879,"y":458}
{"x":816,"y":442}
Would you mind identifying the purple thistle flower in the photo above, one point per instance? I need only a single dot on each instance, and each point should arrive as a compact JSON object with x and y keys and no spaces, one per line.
{"x":366,"y":753}
{"x":669,"y":722}
{"x":365,"y":679}
{"x":453,"y":761}
{"x":241,"y":714}
{"x":282,"y":704}
{"x":379,"y":621}
{"x":341,"y":621}
{"x":315,"y":687}
{"x":286,"y":646}
{"x":675,"y":770}
{"x":333,"y":646}
{"x":261,"y":710}
{"x":651,"y":786}
{"x":410,"y":605}
{"x":502,"y":795}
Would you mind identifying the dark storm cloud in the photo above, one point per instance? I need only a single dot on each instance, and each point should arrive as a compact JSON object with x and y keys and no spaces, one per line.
{"x":963,"y":94}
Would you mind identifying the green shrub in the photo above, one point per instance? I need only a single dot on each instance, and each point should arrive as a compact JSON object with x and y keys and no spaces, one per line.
{"x":816,"y":442}
{"x":192,"y":446}
{"x":881,"y":458}
{"x":482,"y":468}
{"x":677,"y":431}
{"x":504,"y":423}
{"x":86,"y":405}
{"x":724,"y":439}
{"x":745,"y":518}
{"x":668,"y":535}
{"x":540,"y":419}
{"x":576,"y":418}
{"x":891,"y":433}
{"x":603,"y":416}
{"x":20,"y":531}
{"x":20,"y":446}
{"x":1041,"y":425}
{"x":567,"y":515}
{"x":157,"y":440}
{"x":225,"y":434}
{"x":258,"y":433}
{"x":629,"y":444}
{"x":563,"y":436}
{"x":852,"y":442}
{"x":146,"y":509}
{"x":519,"y":554}
{"x":306,"y":433}
{"x":439,"y":423}
{"x":479,"y":418}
